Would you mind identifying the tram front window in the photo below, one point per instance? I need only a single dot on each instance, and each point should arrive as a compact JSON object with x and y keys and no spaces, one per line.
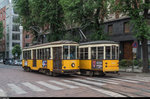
{"x":65,"y":52}
{"x":72,"y":52}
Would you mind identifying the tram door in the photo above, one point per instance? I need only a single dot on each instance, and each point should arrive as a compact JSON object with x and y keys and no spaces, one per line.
{"x":34,"y":58}
{"x":57,"y":58}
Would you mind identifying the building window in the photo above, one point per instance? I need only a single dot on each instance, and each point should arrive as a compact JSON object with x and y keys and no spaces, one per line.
{"x":126,"y":27}
{"x":15,"y":19}
{"x":16,"y":28}
{"x":14,"y":44}
{"x":27,"y":45}
{"x":16,"y":36}
{"x":110,"y":29}
{"x":27,"y":36}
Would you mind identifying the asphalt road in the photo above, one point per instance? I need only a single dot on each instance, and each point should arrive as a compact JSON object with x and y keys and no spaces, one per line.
{"x":14,"y":82}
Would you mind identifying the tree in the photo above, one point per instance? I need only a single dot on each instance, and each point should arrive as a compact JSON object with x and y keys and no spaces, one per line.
{"x":137,"y":10}
{"x":1,"y":29}
{"x":85,"y":14}
{"x":16,"y":51}
{"x":36,"y":14}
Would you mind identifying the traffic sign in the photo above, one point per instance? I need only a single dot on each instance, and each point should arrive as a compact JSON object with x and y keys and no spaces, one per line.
{"x":135,"y":44}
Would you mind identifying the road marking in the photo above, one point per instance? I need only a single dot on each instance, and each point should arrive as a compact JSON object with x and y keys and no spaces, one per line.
{"x":63,"y":84}
{"x":103,"y":81}
{"x":49,"y":85}
{"x":2,"y":93}
{"x":125,"y":80}
{"x":17,"y":89}
{"x":109,"y":93}
{"x":76,"y":83}
{"x":89,"y":82}
{"x":137,"y":79}
{"x":32,"y":87}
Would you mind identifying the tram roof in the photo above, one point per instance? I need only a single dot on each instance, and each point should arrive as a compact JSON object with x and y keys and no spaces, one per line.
{"x":99,"y":42}
{"x":53,"y":43}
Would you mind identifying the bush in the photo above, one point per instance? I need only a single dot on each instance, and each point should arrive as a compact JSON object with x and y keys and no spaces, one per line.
{"x":123,"y":63}
{"x":127,"y":63}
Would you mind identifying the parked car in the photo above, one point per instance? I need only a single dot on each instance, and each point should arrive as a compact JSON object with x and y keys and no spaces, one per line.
{"x":8,"y":61}
{"x":17,"y":62}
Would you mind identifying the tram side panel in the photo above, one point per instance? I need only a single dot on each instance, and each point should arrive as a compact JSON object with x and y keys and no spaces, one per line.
{"x":85,"y":64}
{"x":110,"y":65}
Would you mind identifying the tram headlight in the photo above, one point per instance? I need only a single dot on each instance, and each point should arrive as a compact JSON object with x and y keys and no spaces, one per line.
{"x":73,"y":65}
{"x":64,"y":67}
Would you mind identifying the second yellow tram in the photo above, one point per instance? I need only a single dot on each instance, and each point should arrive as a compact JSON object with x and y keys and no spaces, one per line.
{"x":99,"y":57}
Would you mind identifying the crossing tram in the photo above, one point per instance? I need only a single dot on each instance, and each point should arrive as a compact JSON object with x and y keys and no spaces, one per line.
{"x":99,"y":57}
{"x":52,"y":58}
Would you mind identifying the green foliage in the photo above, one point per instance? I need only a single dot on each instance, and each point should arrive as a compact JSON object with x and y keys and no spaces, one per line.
{"x":16,"y":50}
{"x":40,"y":13}
{"x":1,"y":30}
{"x":127,"y":63}
{"x":86,"y":13}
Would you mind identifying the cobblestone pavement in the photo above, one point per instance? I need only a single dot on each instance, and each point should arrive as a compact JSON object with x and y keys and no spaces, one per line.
{"x":14,"y":82}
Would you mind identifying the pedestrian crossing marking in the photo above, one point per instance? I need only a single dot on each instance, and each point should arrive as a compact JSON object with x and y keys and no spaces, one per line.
{"x":103,"y":81}
{"x":76,"y":83}
{"x":89,"y":82}
{"x":2,"y":93}
{"x":131,"y":81}
{"x":63,"y":84}
{"x":109,"y":93}
{"x":17,"y":89}
{"x":137,"y":79}
{"x":49,"y":85}
{"x":32,"y":87}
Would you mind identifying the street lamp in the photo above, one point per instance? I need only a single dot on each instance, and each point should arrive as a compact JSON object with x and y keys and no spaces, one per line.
{"x":21,"y":32}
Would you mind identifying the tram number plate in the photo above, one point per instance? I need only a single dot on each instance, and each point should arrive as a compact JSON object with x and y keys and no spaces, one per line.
{"x":97,"y":64}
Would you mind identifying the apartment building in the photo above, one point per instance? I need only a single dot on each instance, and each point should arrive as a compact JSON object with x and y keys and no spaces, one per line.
{"x":118,"y":28}
{"x":13,"y":35}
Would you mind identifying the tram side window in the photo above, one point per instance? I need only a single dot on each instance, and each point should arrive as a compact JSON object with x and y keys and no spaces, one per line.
{"x":117,"y":52}
{"x":81,"y":53}
{"x":48,"y":52}
{"x":93,"y":53}
{"x":78,"y":54}
{"x":107,"y":52}
{"x":65,"y":52}
{"x":84,"y":53}
{"x":40,"y":56}
{"x":27,"y":55}
{"x":100,"y":52}
{"x":72,"y":52}
{"x":113,"y":52}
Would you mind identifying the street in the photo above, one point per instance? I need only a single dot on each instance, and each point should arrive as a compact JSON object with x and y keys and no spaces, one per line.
{"x":14,"y":82}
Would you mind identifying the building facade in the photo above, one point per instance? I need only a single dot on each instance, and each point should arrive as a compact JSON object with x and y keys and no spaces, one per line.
{"x":119,"y":29}
{"x":13,"y":35}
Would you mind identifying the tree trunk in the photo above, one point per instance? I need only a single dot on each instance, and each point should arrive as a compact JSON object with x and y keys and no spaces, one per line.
{"x":145,"y":55}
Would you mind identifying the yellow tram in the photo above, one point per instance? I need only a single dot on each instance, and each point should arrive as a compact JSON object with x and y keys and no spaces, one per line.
{"x":52,"y":58}
{"x":99,"y":57}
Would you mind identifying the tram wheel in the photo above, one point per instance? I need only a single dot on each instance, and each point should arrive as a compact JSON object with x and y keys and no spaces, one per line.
{"x":102,"y":74}
{"x":91,"y":74}
{"x":54,"y":74}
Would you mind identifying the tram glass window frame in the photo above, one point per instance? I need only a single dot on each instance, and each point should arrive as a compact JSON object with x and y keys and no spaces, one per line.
{"x":117,"y":52}
{"x":93,"y":52}
{"x":73,"y":51}
{"x":84,"y":53}
{"x":65,"y":52}
{"x":108,"y":52}
{"x":113,"y":52}
{"x":100,"y":52}
{"x":48,"y":52}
